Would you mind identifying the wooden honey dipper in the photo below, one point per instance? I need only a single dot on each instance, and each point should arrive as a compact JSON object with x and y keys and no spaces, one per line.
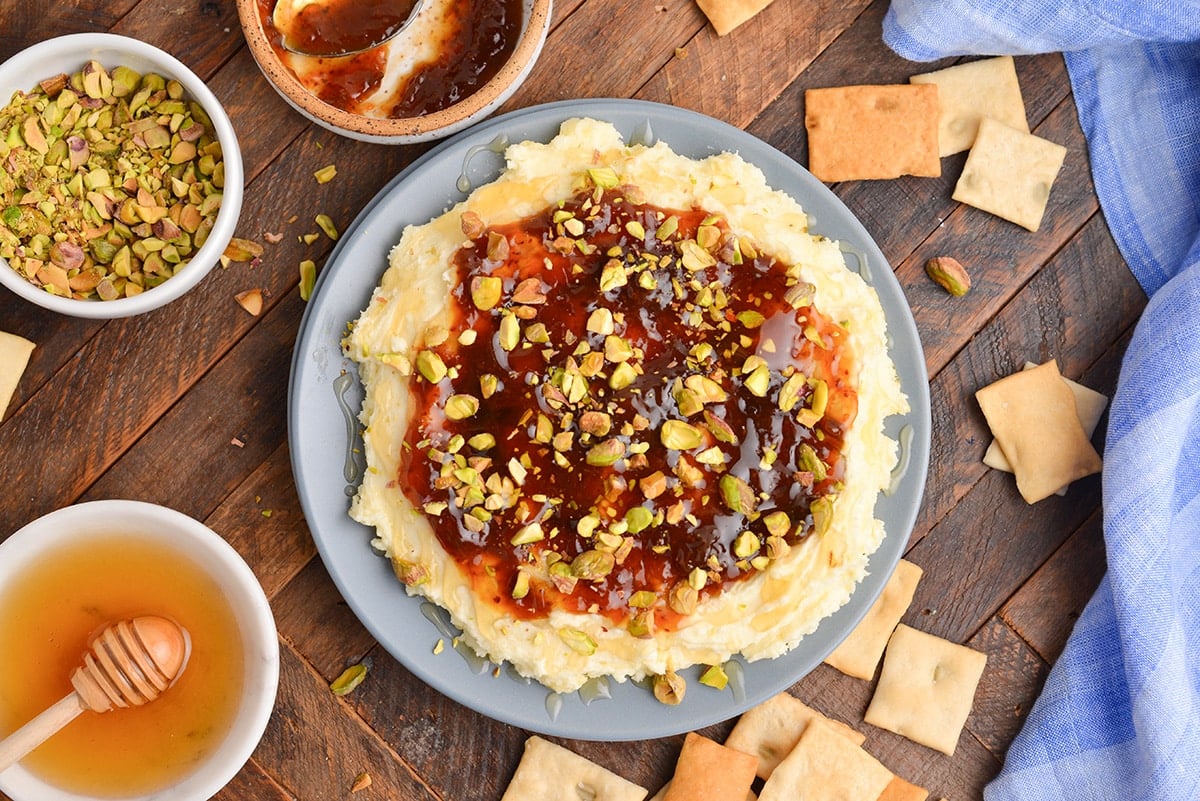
{"x":129,"y":663}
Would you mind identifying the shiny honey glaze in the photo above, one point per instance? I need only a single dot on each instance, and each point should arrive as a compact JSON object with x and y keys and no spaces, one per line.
{"x":47,"y":616}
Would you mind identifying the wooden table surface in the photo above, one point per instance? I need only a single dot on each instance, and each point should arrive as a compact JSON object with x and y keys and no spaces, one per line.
{"x":185,"y":406}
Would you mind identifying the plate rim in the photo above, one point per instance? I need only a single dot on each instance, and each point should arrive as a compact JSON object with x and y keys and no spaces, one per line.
{"x":729,"y":138}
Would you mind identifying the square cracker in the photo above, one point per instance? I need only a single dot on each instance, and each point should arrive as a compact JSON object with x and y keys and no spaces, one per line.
{"x":549,"y":772}
{"x":826,"y":766}
{"x":14,"y":356}
{"x":1089,"y":408}
{"x":858,"y":655}
{"x":1032,"y":416}
{"x":666,"y":788}
{"x":864,"y":132}
{"x":709,"y":771}
{"x":725,"y":15}
{"x":771,"y":730}
{"x":926,"y":688}
{"x":901,"y":790}
{"x":1009,"y":173}
{"x":969,"y":92}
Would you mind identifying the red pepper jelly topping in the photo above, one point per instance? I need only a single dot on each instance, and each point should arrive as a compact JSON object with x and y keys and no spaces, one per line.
{"x":631,"y":409}
{"x":335,"y":27}
{"x":472,"y":40}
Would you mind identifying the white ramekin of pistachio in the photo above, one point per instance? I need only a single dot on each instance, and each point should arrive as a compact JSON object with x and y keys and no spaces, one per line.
{"x":121,"y":179}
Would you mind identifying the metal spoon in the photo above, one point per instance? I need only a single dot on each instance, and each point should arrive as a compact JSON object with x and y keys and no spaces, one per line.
{"x":129,"y":663}
{"x":335,"y":28}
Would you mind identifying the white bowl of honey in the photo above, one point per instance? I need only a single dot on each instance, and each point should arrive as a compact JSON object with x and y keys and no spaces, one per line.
{"x":67,"y":575}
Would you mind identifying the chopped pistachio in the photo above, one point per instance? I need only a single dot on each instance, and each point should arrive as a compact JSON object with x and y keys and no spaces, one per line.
{"x":694,"y":257}
{"x":745,"y":544}
{"x":497,"y":246}
{"x":325,"y":223}
{"x":325,"y":174}
{"x":592,"y":565}
{"x":812,"y":463}
{"x":578,"y":641}
{"x":683,"y":598}
{"x":622,"y":376}
{"x":641,"y":624}
{"x":737,"y":494}
{"x":669,"y":688}
{"x":431,"y":366}
{"x":720,"y":430}
{"x":708,"y":390}
{"x":605,"y":453}
{"x":308,"y":278}
{"x":822,"y":514}
{"x":715,"y":676}
{"x":642,"y":599}
{"x":789,"y":393}
{"x":485,"y":291}
{"x":510,"y":331}
{"x":653,"y":485}
{"x":461,"y":406}
{"x":617,"y":349}
{"x":600,"y":321}
{"x":604,"y":177}
{"x":349,"y":678}
{"x":758,"y":382}
{"x":778,"y":523}
{"x":800,"y":295}
{"x":529,"y":533}
{"x":677,"y":435}
{"x":668,"y":227}
{"x":520,"y":585}
{"x":638,"y":518}
{"x":482,"y":442}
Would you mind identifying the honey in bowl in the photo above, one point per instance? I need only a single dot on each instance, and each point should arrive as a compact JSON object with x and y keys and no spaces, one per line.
{"x":47,"y":617}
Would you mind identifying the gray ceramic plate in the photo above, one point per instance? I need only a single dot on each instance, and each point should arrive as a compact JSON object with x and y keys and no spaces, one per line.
{"x":325,"y":395}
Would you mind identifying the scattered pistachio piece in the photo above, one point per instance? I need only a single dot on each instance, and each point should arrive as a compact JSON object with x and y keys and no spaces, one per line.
{"x":251,"y":300}
{"x":350,"y":678}
{"x":669,"y":688}
{"x":715,"y":676}
{"x":308,"y":277}
{"x":325,"y":174}
{"x":325,"y":223}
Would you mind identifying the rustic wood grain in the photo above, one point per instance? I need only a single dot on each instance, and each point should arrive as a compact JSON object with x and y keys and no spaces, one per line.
{"x":1013,"y":678}
{"x":1044,"y":610}
{"x":187,"y":406}
{"x":796,"y":30}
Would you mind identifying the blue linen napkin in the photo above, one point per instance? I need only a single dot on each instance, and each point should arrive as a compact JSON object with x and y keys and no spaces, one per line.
{"x":1119,"y":716}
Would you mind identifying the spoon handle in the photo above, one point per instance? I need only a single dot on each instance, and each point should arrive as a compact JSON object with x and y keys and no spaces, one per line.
{"x":15,"y":746}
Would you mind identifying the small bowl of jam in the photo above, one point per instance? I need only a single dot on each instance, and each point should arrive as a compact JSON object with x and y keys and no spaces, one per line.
{"x":454,"y":63}
{"x":70,"y":573}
